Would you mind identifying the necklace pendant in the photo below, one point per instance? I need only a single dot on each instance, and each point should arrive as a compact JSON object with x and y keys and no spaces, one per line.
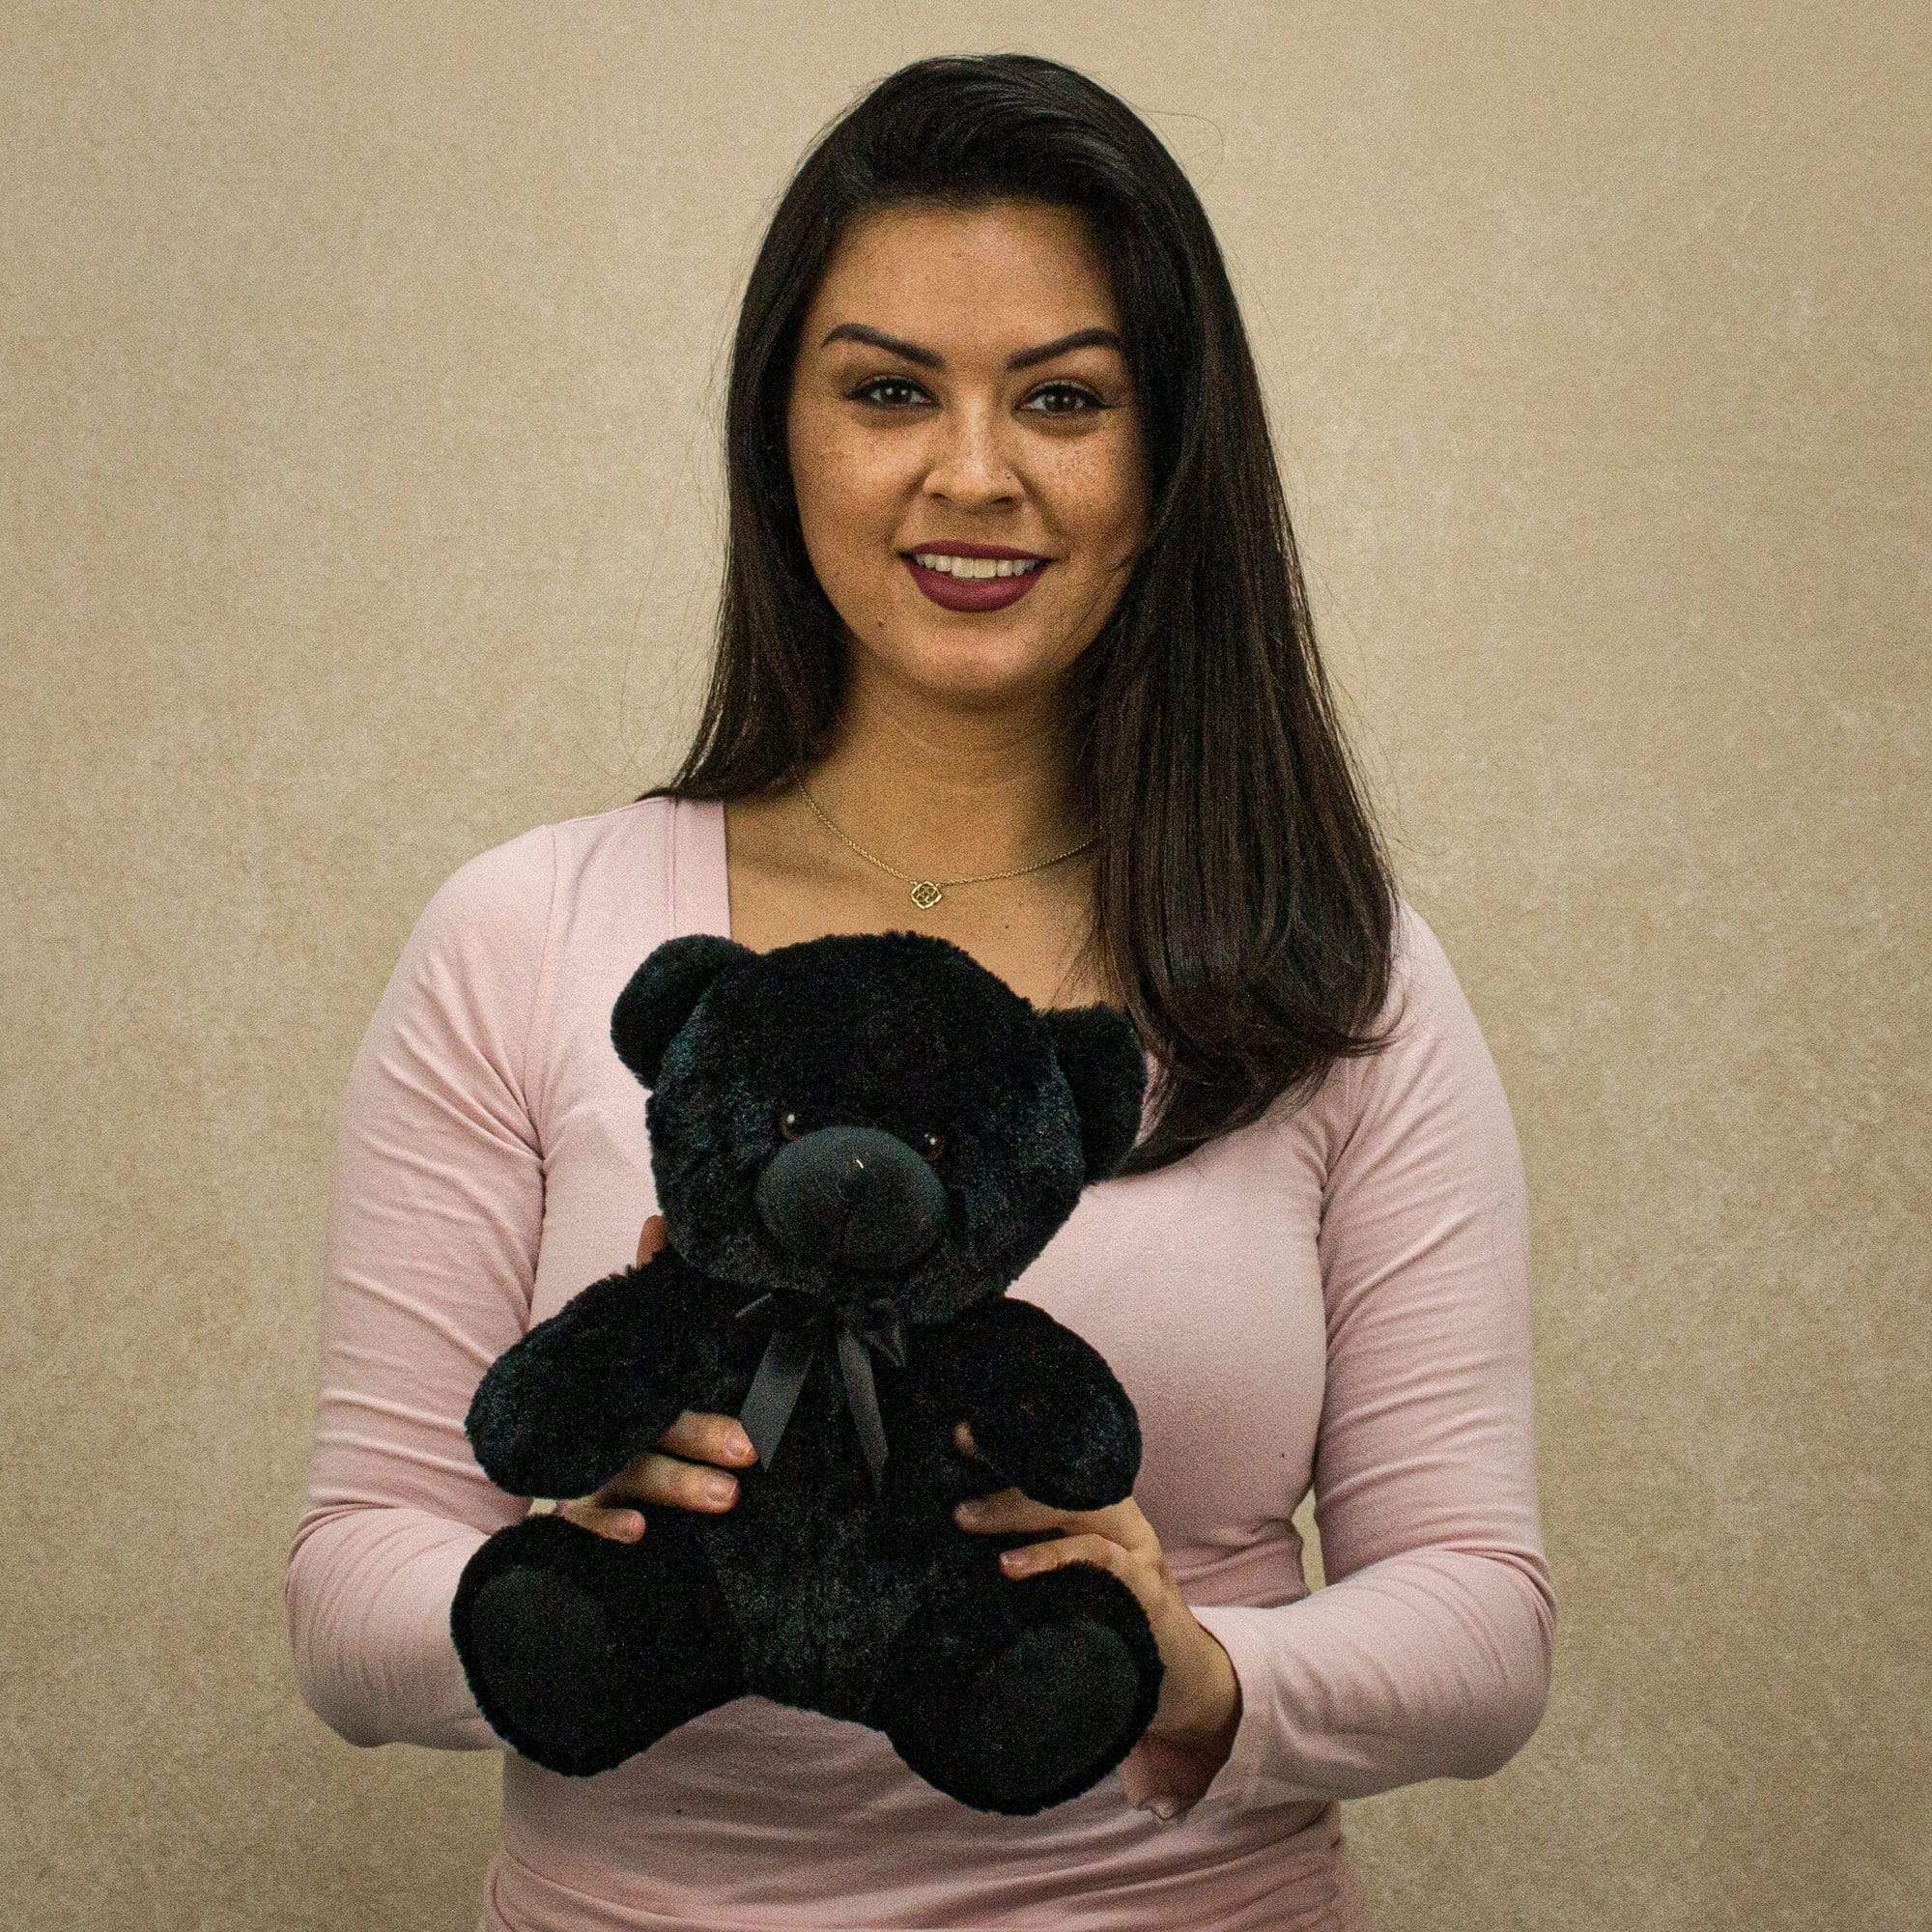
{"x":925,"y":893}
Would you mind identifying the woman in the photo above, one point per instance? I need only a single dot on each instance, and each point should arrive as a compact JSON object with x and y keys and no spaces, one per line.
{"x":988,"y":321}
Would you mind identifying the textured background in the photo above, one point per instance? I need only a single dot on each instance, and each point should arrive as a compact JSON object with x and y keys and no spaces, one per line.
{"x":359,"y":508}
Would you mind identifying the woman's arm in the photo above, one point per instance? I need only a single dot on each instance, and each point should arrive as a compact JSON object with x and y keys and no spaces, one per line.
{"x":428,"y":1268}
{"x":1429,"y":1653}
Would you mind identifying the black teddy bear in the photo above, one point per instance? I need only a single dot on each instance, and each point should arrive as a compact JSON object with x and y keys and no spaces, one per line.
{"x":859,"y":1143}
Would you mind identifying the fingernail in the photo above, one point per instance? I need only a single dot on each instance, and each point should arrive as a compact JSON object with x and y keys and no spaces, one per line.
{"x":969,"y":1510}
{"x":630,"y":1527}
{"x":740,"y":1446}
{"x":1017,"y":1561}
{"x":719,"y":1488}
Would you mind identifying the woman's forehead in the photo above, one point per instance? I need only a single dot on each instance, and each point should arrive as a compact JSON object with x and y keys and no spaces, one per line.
{"x":1033,"y":263}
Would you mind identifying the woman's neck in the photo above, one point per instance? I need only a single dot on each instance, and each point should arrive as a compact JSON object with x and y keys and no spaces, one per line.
{"x":944,"y":809}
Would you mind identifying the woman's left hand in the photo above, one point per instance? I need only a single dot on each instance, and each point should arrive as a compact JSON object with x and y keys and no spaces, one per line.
{"x":1200,"y":1703}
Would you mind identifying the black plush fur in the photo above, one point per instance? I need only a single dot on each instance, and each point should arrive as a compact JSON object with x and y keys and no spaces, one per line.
{"x":824,"y":1587}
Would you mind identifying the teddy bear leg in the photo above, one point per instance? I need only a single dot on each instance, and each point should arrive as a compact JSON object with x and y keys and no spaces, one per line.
{"x":581,"y":1650}
{"x":1012,"y":1695}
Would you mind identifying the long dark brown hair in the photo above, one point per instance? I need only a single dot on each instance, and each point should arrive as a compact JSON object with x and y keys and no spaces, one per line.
{"x":1244,"y":904}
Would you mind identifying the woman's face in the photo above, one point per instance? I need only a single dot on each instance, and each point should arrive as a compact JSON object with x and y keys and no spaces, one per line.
{"x":932,"y":438}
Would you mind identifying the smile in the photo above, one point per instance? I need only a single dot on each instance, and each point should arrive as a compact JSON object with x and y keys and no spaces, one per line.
{"x":983,"y":590}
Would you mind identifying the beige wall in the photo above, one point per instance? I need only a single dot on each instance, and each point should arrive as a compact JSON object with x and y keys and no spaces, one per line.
{"x":358,"y":508}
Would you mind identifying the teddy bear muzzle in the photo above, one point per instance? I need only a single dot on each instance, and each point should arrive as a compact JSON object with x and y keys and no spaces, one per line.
{"x":852,"y":1197}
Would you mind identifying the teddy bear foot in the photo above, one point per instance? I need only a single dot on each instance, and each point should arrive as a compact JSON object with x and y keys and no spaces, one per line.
{"x":581,"y":1652}
{"x":519,"y":1624}
{"x":1059,"y":1678}
{"x":1039,"y":1717}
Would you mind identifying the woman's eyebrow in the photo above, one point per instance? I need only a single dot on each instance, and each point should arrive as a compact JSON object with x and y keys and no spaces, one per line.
{"x":930,"y":358}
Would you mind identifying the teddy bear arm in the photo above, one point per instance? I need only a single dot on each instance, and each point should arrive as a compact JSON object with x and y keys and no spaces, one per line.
{"x":586,"y":1391}
{"x":1047,"y":1412}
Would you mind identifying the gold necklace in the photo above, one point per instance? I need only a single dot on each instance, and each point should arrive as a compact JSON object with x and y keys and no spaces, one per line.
{"x":925,"y":893}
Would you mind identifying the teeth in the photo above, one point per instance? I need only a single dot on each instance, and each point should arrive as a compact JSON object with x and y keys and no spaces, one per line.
{"x":976,"y":566}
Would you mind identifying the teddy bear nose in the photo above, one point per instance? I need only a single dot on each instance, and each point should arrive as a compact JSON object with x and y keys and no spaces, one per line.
{"x":853,"y":1197}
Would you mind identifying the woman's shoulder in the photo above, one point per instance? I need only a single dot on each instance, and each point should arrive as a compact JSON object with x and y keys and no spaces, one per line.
{"x":1438,"y":1064}
{"x":620,"y":833}
{"x":564,"y":857}
{"x":508,"y":898}
{"x":1434,"y":1041}
{"x":1423,"y":989}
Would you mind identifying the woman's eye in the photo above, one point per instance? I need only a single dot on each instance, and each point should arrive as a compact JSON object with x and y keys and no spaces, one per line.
{"x":866,"y":393}
{"x":1086,"y":396}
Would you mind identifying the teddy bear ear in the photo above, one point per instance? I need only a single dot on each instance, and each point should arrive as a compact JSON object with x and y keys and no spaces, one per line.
{"x":1099,"y":1052}
{"x":662,"y":993}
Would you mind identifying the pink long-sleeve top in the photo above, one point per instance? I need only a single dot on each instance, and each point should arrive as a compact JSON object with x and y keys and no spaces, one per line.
{"x":1336,"y":1298}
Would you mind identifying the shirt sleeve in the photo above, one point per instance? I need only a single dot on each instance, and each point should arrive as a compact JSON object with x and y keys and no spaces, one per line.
{"x":1429,"y":1653}
{"x":429,"y":1264}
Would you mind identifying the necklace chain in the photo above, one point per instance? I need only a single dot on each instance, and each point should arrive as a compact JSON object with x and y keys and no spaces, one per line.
{"x":925,"y":893}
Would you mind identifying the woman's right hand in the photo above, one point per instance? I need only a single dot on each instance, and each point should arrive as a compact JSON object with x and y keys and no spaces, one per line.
{"x":700,"y":1442}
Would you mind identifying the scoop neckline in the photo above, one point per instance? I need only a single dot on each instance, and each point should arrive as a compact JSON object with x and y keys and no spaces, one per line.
{"x":701,"y":888}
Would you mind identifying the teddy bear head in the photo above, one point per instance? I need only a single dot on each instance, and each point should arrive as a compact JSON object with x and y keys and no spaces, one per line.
{"x":868,"y":1115}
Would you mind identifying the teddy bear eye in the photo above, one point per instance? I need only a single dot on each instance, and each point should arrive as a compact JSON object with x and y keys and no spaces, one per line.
{"x":932,"y":1145}
{"x":791,"y":1126}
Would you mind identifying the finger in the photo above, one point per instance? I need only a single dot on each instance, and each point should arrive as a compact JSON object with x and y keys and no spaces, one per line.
{"x":620,"y":1526}
{"x":1013,"y":1509}
{"x":651,"y":1239}
{"x":663,"y":1480}
{"x":1008,"y":1509}
{"x":707,"y":1437}
{"x":1100,"y":1551}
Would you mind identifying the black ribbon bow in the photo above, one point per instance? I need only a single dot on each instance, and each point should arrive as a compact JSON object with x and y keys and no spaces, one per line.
{"x":788,"y":1358}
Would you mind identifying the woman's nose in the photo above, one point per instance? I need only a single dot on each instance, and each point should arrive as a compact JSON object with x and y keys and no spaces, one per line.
{"x":971,"y":462}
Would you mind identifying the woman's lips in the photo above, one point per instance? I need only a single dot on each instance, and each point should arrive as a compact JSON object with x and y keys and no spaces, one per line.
{"x":982,"y":593}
